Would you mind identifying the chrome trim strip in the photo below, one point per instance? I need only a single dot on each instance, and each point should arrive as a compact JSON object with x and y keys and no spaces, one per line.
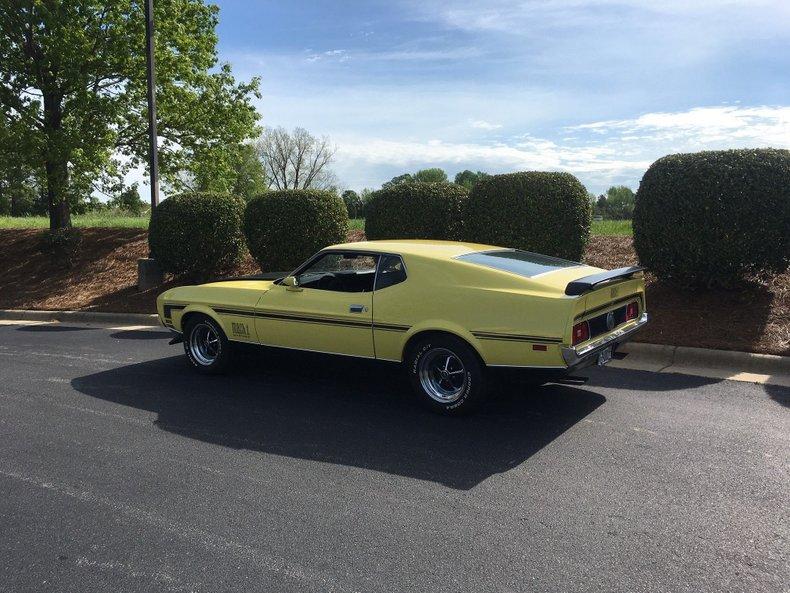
{"x":573,"y":356}
{"x":480,"y":335}
{"x":523,"y":366}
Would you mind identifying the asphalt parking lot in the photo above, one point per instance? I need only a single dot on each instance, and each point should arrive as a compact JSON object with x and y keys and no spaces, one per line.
{"x":122,"y":470}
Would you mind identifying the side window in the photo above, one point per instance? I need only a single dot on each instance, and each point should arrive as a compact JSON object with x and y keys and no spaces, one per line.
{"x":391,"y":271}
{"x":340,"y":272}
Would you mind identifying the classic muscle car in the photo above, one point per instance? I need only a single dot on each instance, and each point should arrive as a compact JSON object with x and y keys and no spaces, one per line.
{"x":447,"y":311}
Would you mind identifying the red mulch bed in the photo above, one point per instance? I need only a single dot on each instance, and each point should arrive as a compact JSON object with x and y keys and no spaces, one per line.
{"x":754,"y":318}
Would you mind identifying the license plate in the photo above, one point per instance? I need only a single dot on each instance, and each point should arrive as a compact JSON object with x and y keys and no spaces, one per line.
{"x":604,"y":356}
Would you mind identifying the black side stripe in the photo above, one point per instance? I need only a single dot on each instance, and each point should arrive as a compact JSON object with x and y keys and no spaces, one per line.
{"x":391,"y":327}
{"x":281,"y":316}
{"x":169,"y":308}
{"x":237,"y":312}
{"x":319,"y":320}
{"x":515,"y":337}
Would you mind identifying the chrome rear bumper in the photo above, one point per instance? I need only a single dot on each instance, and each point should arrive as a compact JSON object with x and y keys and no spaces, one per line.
{"x":584,"y":355}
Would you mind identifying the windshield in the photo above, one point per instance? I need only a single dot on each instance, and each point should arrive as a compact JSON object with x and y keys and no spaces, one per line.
{"x":523,"y":263}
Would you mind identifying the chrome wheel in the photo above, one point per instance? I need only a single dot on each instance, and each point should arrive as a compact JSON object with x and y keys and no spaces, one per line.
{"x":442,"y":375}
{"x":204,"y":344}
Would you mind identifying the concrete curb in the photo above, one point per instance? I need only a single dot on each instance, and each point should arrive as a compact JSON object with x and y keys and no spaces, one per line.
{"x":81,"y":317}
{"x":703,"y":362}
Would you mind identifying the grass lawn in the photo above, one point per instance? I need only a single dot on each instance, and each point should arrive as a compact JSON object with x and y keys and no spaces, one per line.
{"x":612,"y":228}
{"x":93,"y":219}
{"x":110,"y":219}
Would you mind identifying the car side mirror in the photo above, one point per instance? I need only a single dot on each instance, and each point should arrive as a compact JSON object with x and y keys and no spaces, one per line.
{"x":291,"y":283}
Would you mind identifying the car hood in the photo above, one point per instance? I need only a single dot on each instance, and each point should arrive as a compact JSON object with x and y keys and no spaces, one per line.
{"x":242,"y":284}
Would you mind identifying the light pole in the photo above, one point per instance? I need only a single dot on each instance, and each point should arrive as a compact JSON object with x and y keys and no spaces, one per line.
{"x":149,"y":274}
{"x":152,"y":143}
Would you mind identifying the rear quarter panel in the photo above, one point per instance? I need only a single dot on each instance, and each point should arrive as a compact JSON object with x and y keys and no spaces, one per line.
{"x":501,"y":315}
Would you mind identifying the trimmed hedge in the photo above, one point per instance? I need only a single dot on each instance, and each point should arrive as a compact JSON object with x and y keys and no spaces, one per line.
{"x":536,"y":211}
{"x":197,"y":234}
{"x":284,"y":228}
{"x":416,"y":210}
{"x":712,"y":218}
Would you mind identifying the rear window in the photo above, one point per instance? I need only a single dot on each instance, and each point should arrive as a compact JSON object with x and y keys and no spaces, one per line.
{"x":523,"y":263}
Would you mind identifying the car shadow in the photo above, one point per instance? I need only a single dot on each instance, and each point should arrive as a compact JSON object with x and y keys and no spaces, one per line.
{"x":778,"y":394}
{"x":344,"y":412}
{"x":637,"y":380}
{"x":141,"y":334}
{"x":54,"y":328}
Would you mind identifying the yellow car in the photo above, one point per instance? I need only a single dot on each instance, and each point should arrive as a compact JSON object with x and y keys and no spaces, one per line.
{"x":448,"y":311}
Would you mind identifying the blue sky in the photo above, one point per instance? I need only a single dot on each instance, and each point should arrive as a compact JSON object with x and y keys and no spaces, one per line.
{"x":597,"y":88}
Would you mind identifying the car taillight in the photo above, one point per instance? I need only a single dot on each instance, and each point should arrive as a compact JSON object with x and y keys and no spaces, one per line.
{"x":632,"y":311}
{"x":581,"y":332}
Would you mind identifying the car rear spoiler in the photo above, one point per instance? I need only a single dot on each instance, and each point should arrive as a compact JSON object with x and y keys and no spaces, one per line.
{"x":589,"y":283}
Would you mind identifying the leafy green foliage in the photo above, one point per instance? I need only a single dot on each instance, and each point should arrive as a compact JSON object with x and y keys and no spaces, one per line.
{"x":416,"y":210}
{"x":128,"y":201}
{"x":73,"y":93}
{"x":712,"y":218}
{"x":547,"y":213}
{"x":238,"y":172}
{"x":284,"y":228}
{"x":469,"y":178}
{"x":396,"y":180}
{"x":617,"y":204}
{"x":353,"y":203}
{"x":197,"y":235}
{"x":430,"y":175}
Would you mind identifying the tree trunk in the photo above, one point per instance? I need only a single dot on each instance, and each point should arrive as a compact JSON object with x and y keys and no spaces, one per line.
{"x":57,"y":200}
{"x":56,"y":164}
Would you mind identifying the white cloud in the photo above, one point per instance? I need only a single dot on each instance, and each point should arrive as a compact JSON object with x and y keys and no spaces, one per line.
{"x":340,"y":54}
{"x":482,"y":124}
{"x":707,"y":126}
{"x":599,"y":153}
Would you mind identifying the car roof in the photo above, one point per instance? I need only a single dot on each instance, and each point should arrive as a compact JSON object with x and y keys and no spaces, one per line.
{"x":421,"y":247}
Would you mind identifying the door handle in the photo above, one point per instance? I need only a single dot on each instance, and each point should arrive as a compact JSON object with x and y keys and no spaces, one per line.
{"x":356,"y":308}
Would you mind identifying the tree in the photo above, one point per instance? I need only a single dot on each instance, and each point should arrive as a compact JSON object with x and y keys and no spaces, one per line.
{"x":238,"y":171}
{"x":433,"y":175}
{"x":18,"y":183}
{"x":620,"y":202}
{"x":73,"y":77}
{"x":365,"y":196}
{"x":600,"y":208}
{"x":296,"y":160}
{"x":353,"y":203}
{"x":128,"y":201}
{"x":396,"y":180}
{"x":469,"y":178}
{"x":250,"y":178}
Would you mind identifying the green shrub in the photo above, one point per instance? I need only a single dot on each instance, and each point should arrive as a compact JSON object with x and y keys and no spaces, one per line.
{"x":284,"y":228}
{"x":197,"y":235}
{"x":543,"y":212}
{"x":416,"y":210}
{"x":712,"y":218}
